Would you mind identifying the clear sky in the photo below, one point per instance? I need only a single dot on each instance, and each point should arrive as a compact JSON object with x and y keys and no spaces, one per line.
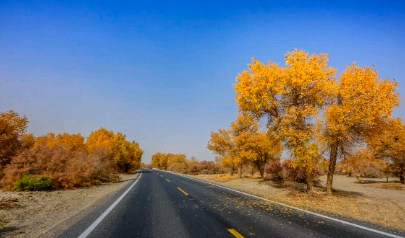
{"x":162,"y":72}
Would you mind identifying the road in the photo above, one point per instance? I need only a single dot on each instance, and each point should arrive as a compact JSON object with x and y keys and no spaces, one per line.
{"x":163,"y":204}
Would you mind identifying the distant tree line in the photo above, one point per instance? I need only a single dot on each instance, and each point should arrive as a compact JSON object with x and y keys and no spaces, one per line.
{"x":180,"y":164}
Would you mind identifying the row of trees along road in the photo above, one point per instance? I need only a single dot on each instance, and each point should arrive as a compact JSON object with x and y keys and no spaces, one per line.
{"x":312,"y":112}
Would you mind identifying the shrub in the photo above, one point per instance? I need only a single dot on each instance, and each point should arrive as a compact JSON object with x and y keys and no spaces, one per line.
{"x":206,"y":167}
{"x":180,"y":167}
{"x":283,"y":172}
{"x":66,"y":168}
{"x":369,"y":172}
{"x":34,"y":183}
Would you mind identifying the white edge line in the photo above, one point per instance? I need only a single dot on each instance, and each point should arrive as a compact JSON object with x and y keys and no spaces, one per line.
{"x":96,"y":222}
{"x":292,"y":207}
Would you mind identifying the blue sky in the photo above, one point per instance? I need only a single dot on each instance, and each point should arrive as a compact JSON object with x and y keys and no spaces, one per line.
{"x":162,"y":72}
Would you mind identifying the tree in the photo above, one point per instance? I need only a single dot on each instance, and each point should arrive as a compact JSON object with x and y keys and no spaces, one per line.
{"x":130,"y":156}
{"x":125,"y":155}
{"x":361,"y":163}
{"x":242,"y":131}
{"x":72,"y":142}
{"x":290,"y":98}
{"x":228,"y":143}
{"x":159,"y":160}
{"x":260,"y":148}
{"x":360,"y":103}
{"x":389,"y":144}
{"x":101,"y":137}
{"x":222,"y":144}
{"x":12,"y":128}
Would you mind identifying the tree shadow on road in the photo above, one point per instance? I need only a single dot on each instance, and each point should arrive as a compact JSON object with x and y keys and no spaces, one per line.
{"x":7,"y":229}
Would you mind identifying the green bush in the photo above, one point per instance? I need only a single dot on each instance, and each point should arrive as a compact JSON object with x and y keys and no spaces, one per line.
{"x":34,"y":183}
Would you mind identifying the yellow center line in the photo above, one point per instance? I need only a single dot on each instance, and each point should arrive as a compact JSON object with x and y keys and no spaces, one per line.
{"x":235,"y":233}
{"x":182,"y":191}
{"x":161,"y":176}
{"x":168,"y":180}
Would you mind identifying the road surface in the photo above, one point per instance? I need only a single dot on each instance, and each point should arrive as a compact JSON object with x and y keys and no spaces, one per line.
{"x":163,"y":204}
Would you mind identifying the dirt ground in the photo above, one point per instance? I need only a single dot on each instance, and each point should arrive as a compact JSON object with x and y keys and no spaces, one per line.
{"x":47,"y":214}
{"x":372,"y":200}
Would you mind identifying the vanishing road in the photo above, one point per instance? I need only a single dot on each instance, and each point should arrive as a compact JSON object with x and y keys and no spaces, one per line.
{"x":163,"y":204}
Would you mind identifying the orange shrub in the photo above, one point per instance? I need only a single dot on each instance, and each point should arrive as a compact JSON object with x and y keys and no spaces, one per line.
{"x":67,"y":168}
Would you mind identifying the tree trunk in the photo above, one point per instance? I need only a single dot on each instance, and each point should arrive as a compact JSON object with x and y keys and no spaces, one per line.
{"x":403,"y":176}
{"x":260,"y":168}
{"x":309,"y":180}
{"x":240,"y":171}
{"x":332,"y":166}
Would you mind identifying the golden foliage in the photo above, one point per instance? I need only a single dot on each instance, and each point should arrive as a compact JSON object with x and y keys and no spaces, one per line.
{"x":389,"y":144}
{"x":126,"y":155}
{"x":293,"y":98}
{"x":243,"y":142}
{"x":290,"y":98}
{"x":65,"y":157}
{"x":12,"y":128}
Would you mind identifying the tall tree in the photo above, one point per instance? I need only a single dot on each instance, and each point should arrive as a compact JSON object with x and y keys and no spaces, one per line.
{"x":290,"y":98}
{"x":389,"y":144}
{"x":360,"y":103}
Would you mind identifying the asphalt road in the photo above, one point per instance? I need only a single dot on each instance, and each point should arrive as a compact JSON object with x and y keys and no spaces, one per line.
{"x":162,"y":204}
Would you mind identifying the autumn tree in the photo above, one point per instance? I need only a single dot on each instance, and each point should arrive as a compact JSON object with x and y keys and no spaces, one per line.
{"x":221,"y":143}
{"x":389,"y":144}
{"x":290,"y":98}
{"x":242,"y":130}
{"x":360,"y":163}
{"x":360,"y":103}
{"x":225,"y":142}
{"x":159,"y":160}
{"x":73,"y":142}
{"x":125,"y":155}
{"x":12,"y":128}
{"x":259,"y":148}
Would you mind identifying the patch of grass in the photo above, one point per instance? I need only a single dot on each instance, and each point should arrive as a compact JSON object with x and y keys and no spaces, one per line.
{"x":34,"y":183}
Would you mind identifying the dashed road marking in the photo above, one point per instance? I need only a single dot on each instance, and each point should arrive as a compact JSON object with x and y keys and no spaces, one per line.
{"x":235,"y":233}
{"x":182,"y":191}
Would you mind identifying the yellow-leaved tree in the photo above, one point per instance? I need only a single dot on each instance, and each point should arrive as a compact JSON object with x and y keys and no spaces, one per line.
{"x":243,"y":143}
{"x":361,"y":102}
{"x":72,"y":142}
{"x":389,"y":144}
{"x":290,"y":98}
{"x":221,"y":143}
{"x":159,"y":160}
{"x":125,"y":155}
{"x":12,"y":128}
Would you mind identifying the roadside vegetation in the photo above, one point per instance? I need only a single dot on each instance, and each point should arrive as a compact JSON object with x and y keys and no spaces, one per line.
{"x":63,"y":160}
{"x":303,"y":125}
{"x":321,"y":119}
{"x":180,"y":164}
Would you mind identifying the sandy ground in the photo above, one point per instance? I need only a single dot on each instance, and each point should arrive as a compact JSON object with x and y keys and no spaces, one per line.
{"x":47,"y":214}
{"x":372,"y":200}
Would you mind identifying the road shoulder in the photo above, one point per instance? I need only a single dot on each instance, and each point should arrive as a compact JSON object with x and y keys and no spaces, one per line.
{"x":49,"y":214}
